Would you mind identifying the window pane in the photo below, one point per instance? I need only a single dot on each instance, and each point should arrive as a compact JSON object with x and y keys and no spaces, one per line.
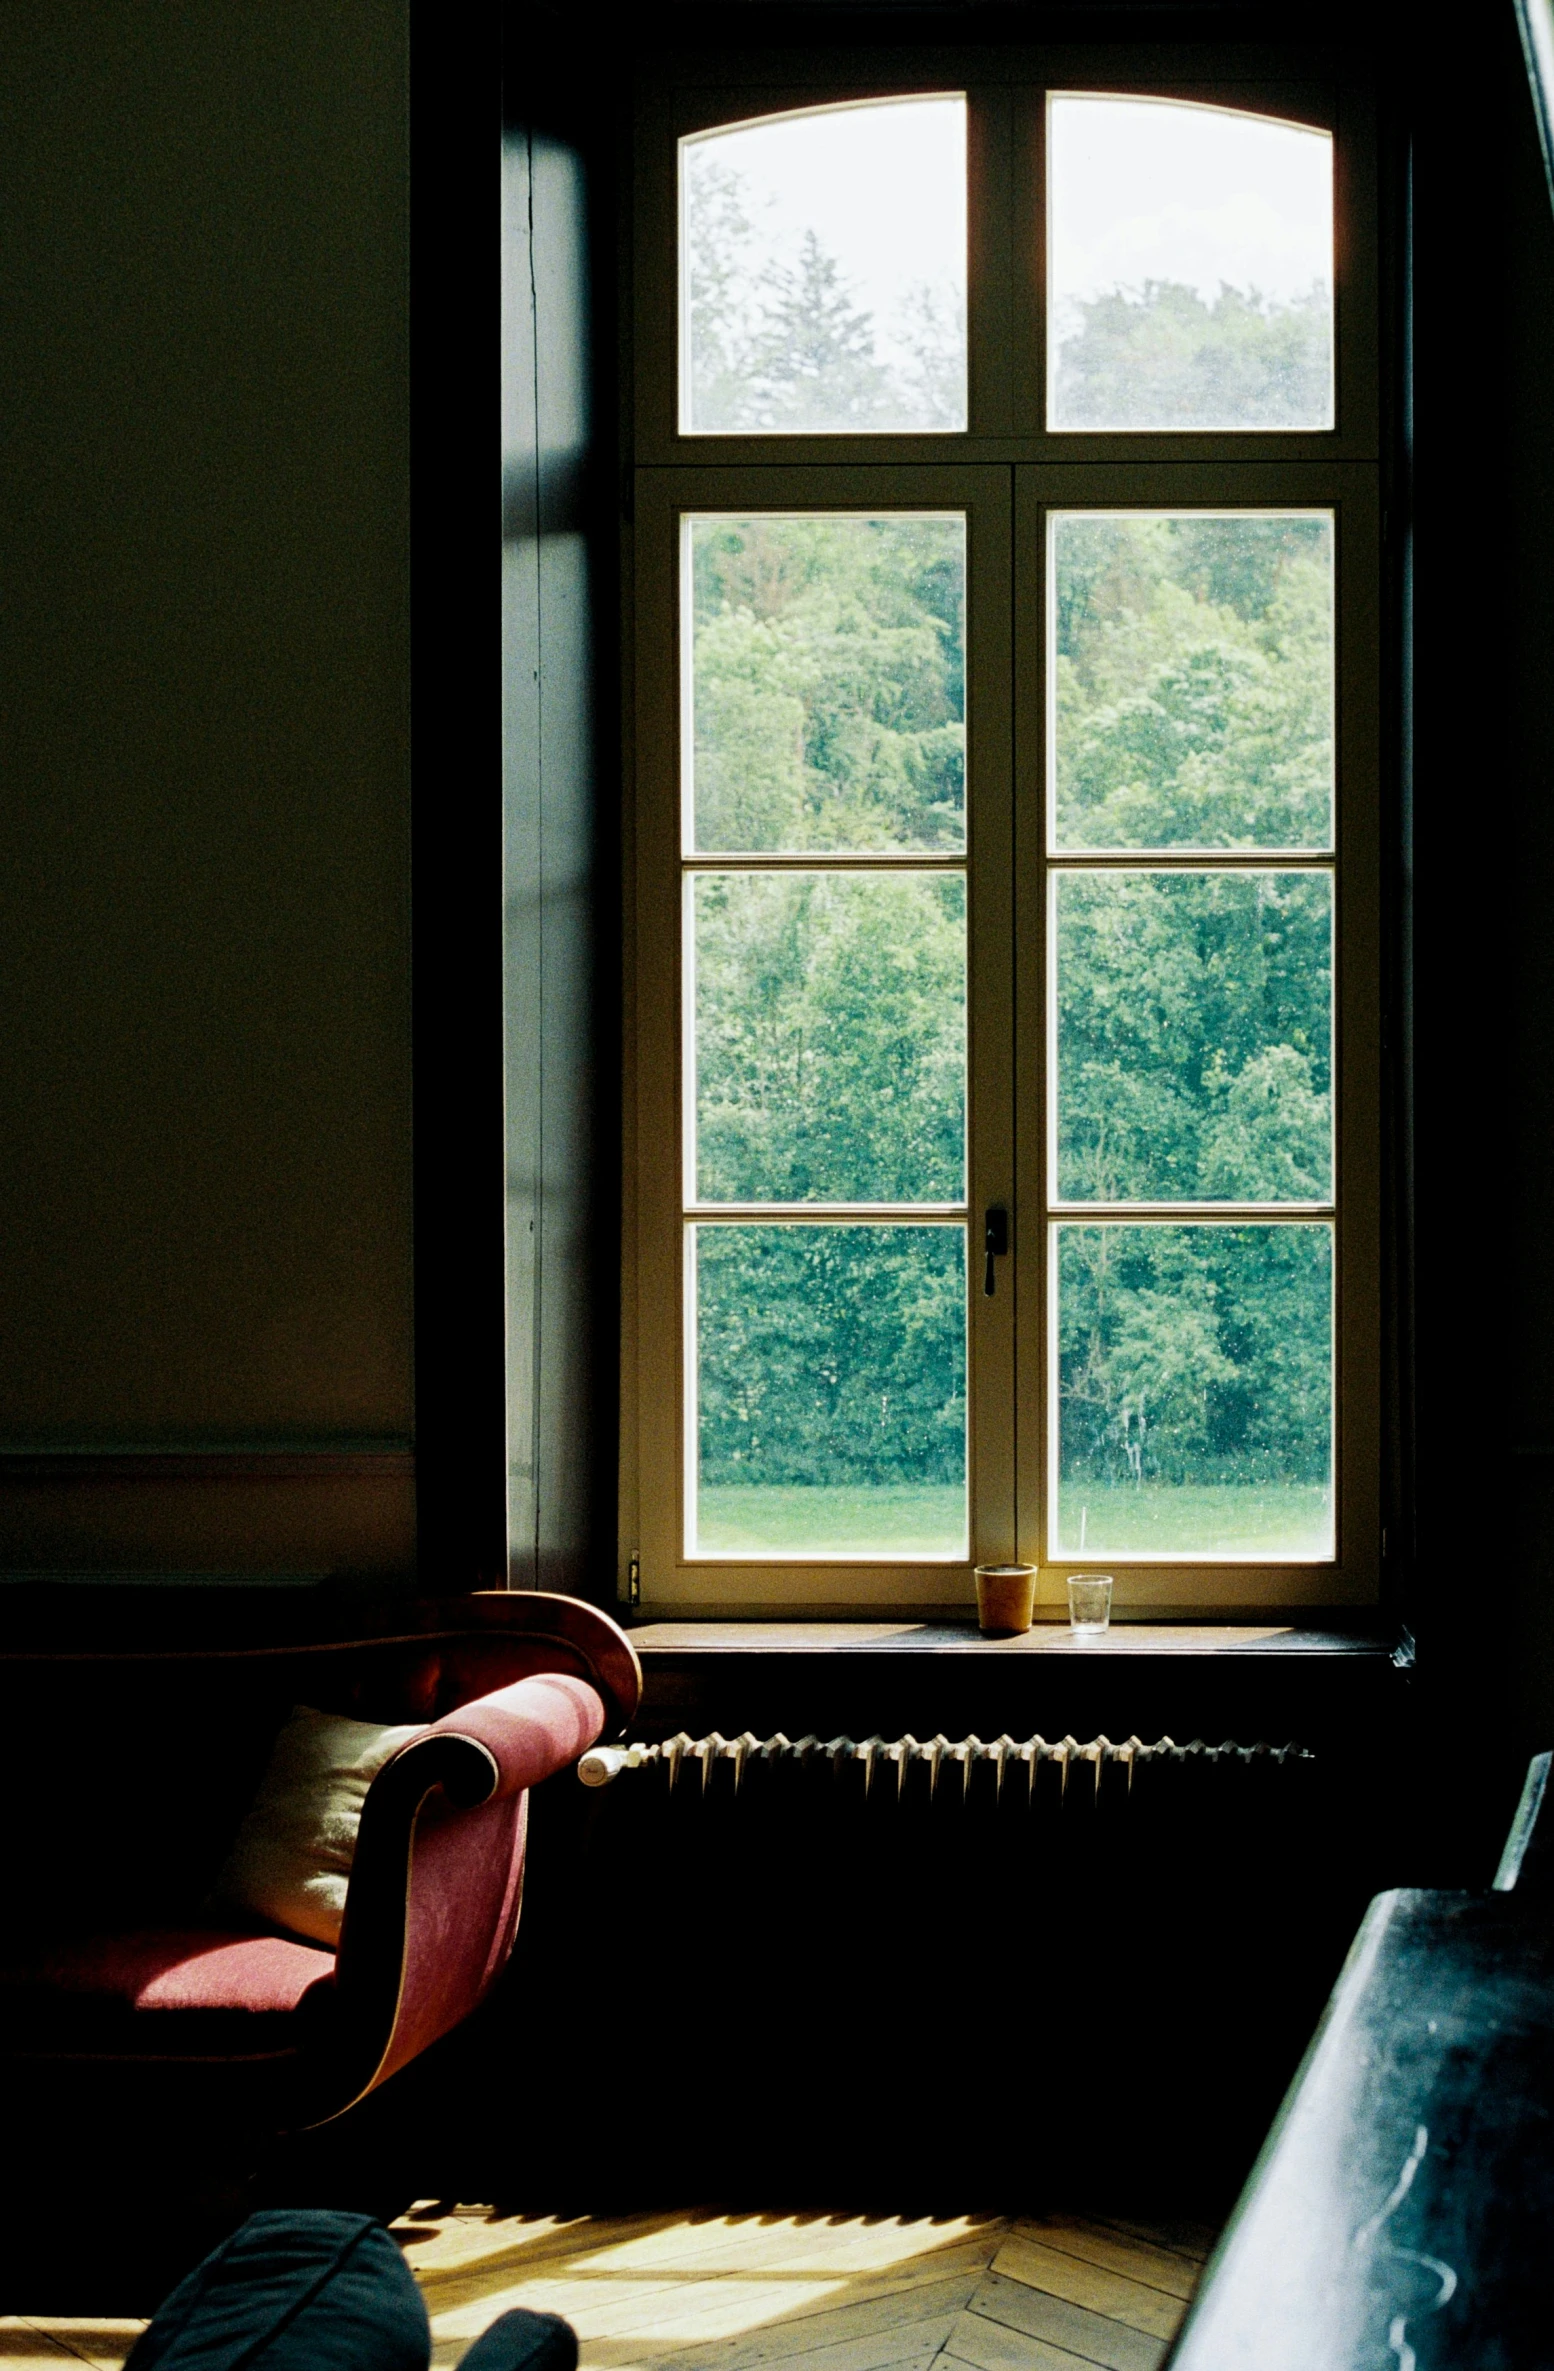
{"x":831,"y":1391}
{"x":830,"y":1054}
{"x":1192,"y":680}
{"x":1190,"y":268}
{"x":827,"y":683}
{"x":1195,"y":1392}
{"x":823,"y":272}
{"x":1195,"y":1032}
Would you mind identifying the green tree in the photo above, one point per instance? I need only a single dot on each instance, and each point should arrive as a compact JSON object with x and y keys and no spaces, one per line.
{"x":829,"y":683}
{"x":1194,"y":682}
{"x":1163,"y":357}
{"x":717,"y":251}
{"x":1196,"y":1354}
{"x":781,"y":342}
{"x":830,"y":1038}
{"x":812,"y":360}
{"x":1194,"y":1042}
{"x":831,"y":1355}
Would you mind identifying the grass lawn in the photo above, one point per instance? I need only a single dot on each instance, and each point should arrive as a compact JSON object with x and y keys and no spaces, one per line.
{"x":1224,"y":1518}
{"x":1119,"y":1519}
{"x":925,"y":1519}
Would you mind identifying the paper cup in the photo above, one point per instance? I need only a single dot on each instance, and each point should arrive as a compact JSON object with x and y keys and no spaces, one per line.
{"x":1005,"y":1595}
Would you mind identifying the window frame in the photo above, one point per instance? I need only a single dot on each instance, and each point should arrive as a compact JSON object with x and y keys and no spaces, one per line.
{"x":1349,"y":489}
{"x":1006,"y":254}
{"x":1007,"y":758}
{"x":670,"y":1580}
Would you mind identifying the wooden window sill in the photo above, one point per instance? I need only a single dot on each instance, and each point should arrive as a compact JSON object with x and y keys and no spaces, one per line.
{"x":666,"y":1643}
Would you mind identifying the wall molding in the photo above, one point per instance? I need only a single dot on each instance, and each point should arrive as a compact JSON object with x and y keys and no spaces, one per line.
{"x":291,"y":1462}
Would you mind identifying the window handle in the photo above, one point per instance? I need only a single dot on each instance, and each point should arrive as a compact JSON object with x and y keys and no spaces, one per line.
{"x":995,"y":1242}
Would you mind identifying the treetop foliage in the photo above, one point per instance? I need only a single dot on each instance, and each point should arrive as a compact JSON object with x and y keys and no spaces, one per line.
{"x":829,"y":683}
{"x":1163,"y":356}
{"x":784,"y":345}
{"x":1193,"y":681}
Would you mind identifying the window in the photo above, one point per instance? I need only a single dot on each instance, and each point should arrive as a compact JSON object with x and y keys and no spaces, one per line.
{"x":1003,"y":1098}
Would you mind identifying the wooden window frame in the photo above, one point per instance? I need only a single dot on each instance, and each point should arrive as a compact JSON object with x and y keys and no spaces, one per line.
{"x":1005,"y":471}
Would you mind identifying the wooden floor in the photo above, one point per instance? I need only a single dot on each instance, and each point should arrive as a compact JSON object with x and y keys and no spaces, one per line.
{"x":703,"y":2291}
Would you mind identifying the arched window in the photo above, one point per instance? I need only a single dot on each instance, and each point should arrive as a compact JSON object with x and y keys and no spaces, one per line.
{"x":1004,"y":1099}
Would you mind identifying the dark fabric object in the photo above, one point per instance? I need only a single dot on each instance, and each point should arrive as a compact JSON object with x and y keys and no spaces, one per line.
{"x":522,"y":2341}
{"x":293,"y":2290}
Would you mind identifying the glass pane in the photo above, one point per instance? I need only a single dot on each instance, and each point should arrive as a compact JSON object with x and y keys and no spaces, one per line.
{"x":830,"y":1054}
{"x":1192,"y":680}
{"x":823,"y":272}
{"x":831,"y":1391}
{"x":1194,"y":1036}
{"x":1195,"y":1392}
{"x":1190,"y":267}
{"x":827,"y":683}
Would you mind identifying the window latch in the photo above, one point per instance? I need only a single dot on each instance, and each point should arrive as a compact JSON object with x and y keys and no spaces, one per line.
{"x":995,"y":1242}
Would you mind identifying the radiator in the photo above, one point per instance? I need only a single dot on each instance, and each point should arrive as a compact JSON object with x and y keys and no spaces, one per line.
{"x":945,"y":1960}
{"x":1008,"y":1758}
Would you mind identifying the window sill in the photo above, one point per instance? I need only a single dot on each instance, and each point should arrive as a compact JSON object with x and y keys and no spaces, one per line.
{"x":1277,"y":1681}
{"x":670,"y":1642}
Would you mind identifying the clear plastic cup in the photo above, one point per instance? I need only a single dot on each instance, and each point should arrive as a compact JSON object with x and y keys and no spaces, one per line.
{"x":1089,"y":1603}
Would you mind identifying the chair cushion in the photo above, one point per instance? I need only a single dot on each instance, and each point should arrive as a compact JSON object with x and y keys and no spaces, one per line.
{"x":164,"y":1993}
{"x":296,"y":2289}
{"x":290,"y":1862}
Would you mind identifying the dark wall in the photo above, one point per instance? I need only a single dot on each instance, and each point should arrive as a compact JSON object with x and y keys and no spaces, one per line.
{"x":1483,"y":833}
{"x":205,"y":1204}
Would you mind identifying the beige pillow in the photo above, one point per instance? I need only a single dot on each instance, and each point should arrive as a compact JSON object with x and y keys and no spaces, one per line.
{"x":290,"y":1861}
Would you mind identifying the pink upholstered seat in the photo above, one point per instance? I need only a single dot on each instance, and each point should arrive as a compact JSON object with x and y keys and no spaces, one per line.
{"x":163,"y":1993}
{"x":262,"y":1975}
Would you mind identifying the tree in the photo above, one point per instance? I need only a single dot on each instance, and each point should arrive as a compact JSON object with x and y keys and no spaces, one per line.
{"x":829,"y":683}
{"x":1194,"y":682}
{"x":1163,"y":357}
{"x":779,"y":341}
{"x":830,"y":1037}
{"x":1196,"y":1354}
{"x":831,"y":1356}
{"x":812,"y":360}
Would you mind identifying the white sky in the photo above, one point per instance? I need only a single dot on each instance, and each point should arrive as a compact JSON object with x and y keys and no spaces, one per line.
{"x":1149,"y":189}
{"x":883,"y":187}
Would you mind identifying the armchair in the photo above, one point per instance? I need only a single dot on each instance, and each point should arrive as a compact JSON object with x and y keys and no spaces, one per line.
{"x":292,"y":2034}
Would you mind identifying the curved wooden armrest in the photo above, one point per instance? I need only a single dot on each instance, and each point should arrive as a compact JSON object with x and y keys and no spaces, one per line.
{"x":587,"y":1638}
{"x":432,"y":1906}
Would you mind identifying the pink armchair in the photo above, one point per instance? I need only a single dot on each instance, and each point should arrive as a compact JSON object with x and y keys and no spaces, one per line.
{"x":296,"y":2033}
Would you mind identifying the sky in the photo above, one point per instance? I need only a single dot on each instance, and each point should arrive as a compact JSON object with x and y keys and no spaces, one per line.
{"x":883,"y":187}
{"x":1149,"y":189}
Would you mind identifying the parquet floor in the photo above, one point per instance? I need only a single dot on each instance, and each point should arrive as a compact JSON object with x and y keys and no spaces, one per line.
{"x":717,"y":2292}
{"x":703,"y":2291}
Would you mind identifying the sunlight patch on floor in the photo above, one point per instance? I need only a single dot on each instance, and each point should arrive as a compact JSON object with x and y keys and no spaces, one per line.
{"x":51,"y":2342}
{"x":651,"y":2289}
